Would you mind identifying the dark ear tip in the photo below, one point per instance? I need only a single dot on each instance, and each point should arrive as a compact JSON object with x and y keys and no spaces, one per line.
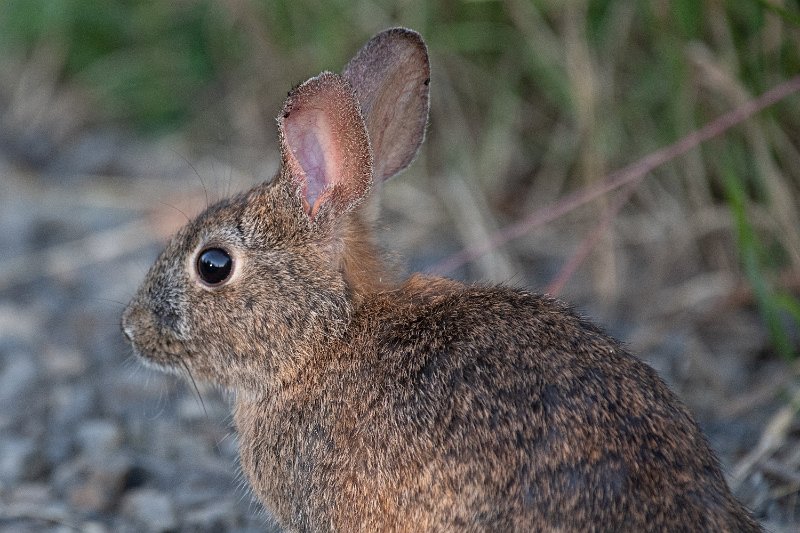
{"x":325,"y":79}
{"x":391,"y":44}
{"x":401,"y":33}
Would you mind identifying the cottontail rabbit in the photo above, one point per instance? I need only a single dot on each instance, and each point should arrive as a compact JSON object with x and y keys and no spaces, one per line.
{"x":367,"y":403}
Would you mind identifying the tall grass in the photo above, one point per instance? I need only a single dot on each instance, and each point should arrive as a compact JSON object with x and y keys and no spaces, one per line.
{"x":531,"y":98}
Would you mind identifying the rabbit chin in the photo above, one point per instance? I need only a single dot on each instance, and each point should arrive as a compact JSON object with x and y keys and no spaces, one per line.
{"x":177,"y":364}
{"x":178,"y":360}
{"x":171,"y":363}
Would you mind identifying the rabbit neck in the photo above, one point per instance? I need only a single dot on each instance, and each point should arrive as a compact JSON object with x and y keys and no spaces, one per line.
{"x":364,"y":267}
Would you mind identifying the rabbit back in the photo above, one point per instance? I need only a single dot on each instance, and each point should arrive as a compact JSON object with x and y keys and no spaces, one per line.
{"x":452,"y":407}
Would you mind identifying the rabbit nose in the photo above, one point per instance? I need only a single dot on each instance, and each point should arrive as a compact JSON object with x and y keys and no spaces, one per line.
{"x":127,"y":329}
{"x":127,"y":324}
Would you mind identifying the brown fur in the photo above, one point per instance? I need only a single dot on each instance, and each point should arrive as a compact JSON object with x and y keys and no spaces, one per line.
{"x":369,"y":404}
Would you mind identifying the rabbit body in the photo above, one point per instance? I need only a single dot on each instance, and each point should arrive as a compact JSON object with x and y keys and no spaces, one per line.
{"x":455,"y":408}
{"x":366,"y":403}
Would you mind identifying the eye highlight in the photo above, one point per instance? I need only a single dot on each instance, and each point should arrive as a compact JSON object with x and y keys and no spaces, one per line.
{"x":214,"y":266}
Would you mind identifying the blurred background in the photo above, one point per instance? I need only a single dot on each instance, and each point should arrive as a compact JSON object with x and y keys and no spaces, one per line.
{"x":120,"y":118}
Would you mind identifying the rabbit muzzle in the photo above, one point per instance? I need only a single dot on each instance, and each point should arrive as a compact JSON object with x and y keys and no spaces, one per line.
{"x":151,"y":340}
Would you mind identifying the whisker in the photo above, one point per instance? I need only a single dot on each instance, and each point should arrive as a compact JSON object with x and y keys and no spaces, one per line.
{"x":230,"y":169}
{"x":194,"y":384}
{"x":203,"y":183}
{"x":215,"y":174}
{"x":161,"y":403}
{"x":122,"y":304}
{"x":178,"y":209}
{"x":114,"y":325}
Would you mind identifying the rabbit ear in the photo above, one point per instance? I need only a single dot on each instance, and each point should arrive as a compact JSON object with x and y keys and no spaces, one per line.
{"x":325,"y":152}
{"x":390,"y":76}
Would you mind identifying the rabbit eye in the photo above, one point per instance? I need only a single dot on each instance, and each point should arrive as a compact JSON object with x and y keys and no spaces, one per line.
{"x":214,"y":266}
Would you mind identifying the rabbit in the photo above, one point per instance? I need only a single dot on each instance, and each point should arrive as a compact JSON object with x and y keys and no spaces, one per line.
{"x":364,"y":401}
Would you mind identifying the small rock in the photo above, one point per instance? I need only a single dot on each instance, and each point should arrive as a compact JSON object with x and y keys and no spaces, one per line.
{"x":35,"y":516}
{"x":70,"y":404}
{"x":93,"y":527}
{"x":153,"y":509}
{"x":58,"y":447}
{"x":213,"y":516}
{"x":98,"y":437}
{"x":17,"y":376}
{"x":63,"y":363}
{"x":17,"y":460}
{"x":34,"y":493}
{"x":94,"y":485}
{"x":17,"y":322}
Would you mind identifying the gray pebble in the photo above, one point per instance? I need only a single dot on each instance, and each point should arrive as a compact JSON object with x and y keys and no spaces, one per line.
{"x":17,"y":322}
{"x":93,"y":527}
{"x":153,"y":509}
{"x":93,"y":484}
{"x":18,"y":374}
{"x":71,"y":403}
{"x":214,"y":516}
{"x":18,"y":460}
{"x":98,"y":437}
{"x":63,"y":363}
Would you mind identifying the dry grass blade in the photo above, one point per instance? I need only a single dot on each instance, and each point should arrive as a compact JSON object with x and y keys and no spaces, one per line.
{"x":589,"y":87}
{"x":780,"y":198}
{"x":630,"y":174}
{"x":773,"y":437}
{"x":590,"y":242}
{"x":475,"y":224}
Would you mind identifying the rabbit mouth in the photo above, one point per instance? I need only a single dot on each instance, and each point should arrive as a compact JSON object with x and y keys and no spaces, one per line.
{"x":173,"y":368}
{"x":165,"y":358}
{"x":152,"y":347}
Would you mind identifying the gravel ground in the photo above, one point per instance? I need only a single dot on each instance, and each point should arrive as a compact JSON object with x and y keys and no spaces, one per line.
{"x":89,"y":439}
{"x":92,"y":441}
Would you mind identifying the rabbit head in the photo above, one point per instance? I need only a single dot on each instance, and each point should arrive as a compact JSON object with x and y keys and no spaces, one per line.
{"x":244,"y":292}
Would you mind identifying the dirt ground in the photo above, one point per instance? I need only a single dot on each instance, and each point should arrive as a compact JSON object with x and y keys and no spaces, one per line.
{"x":92,"y":441}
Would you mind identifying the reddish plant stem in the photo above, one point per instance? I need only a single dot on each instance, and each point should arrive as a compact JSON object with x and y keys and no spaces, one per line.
{"x":629,"y":174}
{"x":588,"y":244}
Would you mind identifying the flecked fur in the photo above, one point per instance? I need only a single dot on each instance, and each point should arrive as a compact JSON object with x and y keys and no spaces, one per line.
{"x":370,"y":403}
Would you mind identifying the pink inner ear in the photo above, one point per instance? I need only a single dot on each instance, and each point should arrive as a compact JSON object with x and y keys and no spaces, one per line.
{"x":324,"y":144}
{"x":309,"y":136}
